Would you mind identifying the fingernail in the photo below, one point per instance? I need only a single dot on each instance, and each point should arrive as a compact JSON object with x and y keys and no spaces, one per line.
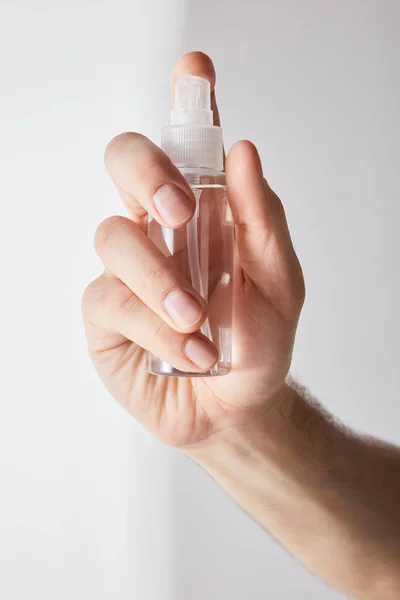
{"x":182,"y":308}
{"x":201,"y":352}
{"x":172,"y":204}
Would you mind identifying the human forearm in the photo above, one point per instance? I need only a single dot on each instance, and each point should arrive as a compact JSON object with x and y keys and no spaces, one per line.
{"x":331,"y":497}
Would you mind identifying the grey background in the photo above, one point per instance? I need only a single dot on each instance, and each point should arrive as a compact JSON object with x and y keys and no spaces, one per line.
{"x":90,"y":505}
{"x":316,"y":86}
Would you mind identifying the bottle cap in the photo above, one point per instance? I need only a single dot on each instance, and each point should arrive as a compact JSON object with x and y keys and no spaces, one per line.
{"x":191,"y":140}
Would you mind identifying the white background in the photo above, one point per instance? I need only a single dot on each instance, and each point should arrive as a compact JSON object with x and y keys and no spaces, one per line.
{"x":90,"y":506}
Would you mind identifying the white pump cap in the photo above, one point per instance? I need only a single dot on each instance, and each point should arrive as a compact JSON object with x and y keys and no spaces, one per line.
{"x":192,"y":141}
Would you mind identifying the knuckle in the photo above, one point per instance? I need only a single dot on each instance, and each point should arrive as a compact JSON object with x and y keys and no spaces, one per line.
{"x":85,"y":299}
{"x":92,"y":295}
{"x":159,"y":330}
{"x":121,"y":301}
{"x":128,"y":139}
{"x":107,"y":294}
{"x":108,"y":230}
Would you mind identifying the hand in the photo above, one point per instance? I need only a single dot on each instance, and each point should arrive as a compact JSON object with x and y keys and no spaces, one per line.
{"x":124,"y":310}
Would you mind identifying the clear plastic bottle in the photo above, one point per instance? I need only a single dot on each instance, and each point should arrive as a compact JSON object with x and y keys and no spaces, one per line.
{"x":203,"y":249}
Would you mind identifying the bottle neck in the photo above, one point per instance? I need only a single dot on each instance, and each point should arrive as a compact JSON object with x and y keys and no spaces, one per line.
{"x":196,"y":177}
{"x":199,"y":171}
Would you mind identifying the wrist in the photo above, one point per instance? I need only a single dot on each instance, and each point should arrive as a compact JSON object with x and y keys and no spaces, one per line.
{"x":257,"y":430}
{"x":291,"y":436}
{"x":260,"y":460}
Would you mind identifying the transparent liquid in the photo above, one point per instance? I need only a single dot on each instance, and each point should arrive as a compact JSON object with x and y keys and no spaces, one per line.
{"x":203,"y":252}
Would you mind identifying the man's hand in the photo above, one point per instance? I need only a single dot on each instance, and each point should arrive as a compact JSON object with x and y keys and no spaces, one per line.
{"x":125,"y":315}
{"x":330,"y":496}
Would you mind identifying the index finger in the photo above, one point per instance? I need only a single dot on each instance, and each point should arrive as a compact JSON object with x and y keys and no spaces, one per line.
{"x":145,"y":177}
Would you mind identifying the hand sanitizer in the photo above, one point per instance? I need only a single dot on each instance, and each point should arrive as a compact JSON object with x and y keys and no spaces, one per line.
{"x":203,"y":249}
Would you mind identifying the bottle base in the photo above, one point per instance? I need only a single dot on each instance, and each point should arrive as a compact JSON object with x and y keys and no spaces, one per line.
{"x":160,"y":367}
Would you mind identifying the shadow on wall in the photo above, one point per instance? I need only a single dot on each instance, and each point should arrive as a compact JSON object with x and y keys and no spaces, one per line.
{"x":285,"y":82}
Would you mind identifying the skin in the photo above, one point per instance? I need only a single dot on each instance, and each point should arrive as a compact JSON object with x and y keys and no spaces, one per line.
{"x":271,"y":446}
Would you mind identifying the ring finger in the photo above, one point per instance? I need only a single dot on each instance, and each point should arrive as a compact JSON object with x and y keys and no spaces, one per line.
{"x":109,"y":305}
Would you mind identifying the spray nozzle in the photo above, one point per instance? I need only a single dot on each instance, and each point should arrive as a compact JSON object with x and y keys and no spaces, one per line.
{"x":192,"y":101}
{"x":191,"y":140}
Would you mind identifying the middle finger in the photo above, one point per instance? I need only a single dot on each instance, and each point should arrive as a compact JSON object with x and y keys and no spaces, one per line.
{"x":128,"y":253}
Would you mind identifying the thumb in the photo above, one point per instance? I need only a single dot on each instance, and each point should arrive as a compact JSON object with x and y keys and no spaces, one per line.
{"x":263,"y":240}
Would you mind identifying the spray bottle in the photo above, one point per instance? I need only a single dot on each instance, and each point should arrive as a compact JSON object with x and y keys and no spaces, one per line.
{"x":202,"y":250}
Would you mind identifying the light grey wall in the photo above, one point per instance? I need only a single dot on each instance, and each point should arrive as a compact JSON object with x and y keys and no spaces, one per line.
{"x":316,"y":85}
{"x":85,"y":502}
